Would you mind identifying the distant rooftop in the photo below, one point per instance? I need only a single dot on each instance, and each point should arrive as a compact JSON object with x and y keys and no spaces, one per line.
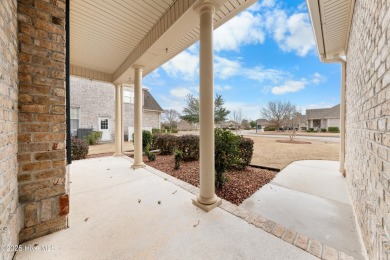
{"x":324,"y":113}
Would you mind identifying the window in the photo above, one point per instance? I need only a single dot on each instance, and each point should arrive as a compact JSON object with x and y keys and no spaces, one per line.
{"x":104,"y":124}
{"x":74,"y":118}
{"x":128,"y":97}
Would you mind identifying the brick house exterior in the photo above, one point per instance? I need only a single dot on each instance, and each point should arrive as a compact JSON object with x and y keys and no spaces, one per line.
{"x":95,"y":99}
{"x":368,"y":123}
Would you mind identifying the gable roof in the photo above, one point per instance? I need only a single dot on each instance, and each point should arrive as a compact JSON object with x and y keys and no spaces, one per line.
{"x":150,"y":103}
{"x":323,"y":113}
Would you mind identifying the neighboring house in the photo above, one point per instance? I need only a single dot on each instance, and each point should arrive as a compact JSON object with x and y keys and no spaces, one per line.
{"x":262,"y":123}
{"x":183,"y":125}
{"x":93,"y":106}
{"x":323,"y":117}
{"x":231,"y":124}
{"x":302,"y":122}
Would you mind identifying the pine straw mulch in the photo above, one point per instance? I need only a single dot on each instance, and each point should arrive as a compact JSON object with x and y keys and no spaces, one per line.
{"x":241,"y":184}
{"x":292,"y":142}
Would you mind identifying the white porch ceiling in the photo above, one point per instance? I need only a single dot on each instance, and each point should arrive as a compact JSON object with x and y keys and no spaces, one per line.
{"x":107,"y":37}
{"x":331,"y":21}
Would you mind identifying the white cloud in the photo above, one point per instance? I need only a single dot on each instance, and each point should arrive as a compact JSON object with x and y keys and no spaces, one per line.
{"x":243,"y":29}
{"x":317,"y":78}
{"x":180,"y":92}
{"x":291,"y":33}
{"x":185,"y":65}
{"x":225,"y":68}
{"x":289,"y":86}
{"x":222,"y":88}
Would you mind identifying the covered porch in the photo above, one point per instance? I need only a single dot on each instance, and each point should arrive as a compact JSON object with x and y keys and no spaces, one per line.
{"x":130,"y":39}
{"x":121,"y":213}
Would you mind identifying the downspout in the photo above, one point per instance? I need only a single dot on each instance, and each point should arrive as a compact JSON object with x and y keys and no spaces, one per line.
{"x":342,"y":107}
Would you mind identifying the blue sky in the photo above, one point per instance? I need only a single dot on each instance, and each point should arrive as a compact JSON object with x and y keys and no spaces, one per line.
{"x":265,"y":53}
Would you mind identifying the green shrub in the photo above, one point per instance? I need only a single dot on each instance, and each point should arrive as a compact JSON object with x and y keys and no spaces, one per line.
{"x":178,"y":159}
{"x":79,"y":149}
{"x":147,"y":138}
{"x":323,"y":129}
{"x":156,"y":131}
{"x":189,"y":146}
{"x":166,"y":143}
{"x":333,"y":129}
{"x":311,"y":130}
{"x":270,"y":128}
{"x":174,"y":131}
{"x":226,"y":154}
{"x":94,"y":137}
{"x":245,"y":146}
{"x":151,"y":156}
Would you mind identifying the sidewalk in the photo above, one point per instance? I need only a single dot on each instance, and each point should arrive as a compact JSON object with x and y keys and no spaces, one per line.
{"x":311,"y":197}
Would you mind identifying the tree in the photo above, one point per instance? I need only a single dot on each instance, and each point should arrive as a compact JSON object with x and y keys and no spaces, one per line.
{"x":253,"y":124}
{"x":220,"y":112}
{"x":237,"y":116}
{"x":292,"y":121}
{"x":191,"y":111}
{"x":277,"y":111}
{"x":171,"y":117}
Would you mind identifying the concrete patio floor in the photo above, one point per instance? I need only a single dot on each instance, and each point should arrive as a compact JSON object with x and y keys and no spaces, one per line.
{"x":119,"y":213}
{"x":312,"y":198}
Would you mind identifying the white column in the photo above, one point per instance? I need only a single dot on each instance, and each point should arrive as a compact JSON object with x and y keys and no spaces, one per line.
{"x":342,"y":118}
{"x":118,"y":120}
{"x":207,"y":199}
{"x":122,"y":121}
{"x":138,"y":162}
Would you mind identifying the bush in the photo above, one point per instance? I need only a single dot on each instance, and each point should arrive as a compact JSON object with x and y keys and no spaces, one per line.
{"x":226,"y":154}
{"x":151,"y":156}
{"x":147,"y":138}
{"x":245,"y":146}
{"x":156,"y":131}
{"x":166,"y":143}
{"x":79,"y":149}
{"x":333,"y":129}
{"x":174,"y":131}
{"x":311,"y":130}
{"x":94,"y":137}
{"x":178,"y":159}
{"x":270,"y":128}
{"x":189,"y":146}
{"x":323,"y":129}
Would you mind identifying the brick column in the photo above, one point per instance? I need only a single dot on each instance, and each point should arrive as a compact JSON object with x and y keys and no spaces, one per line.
{"x":42,"y":119}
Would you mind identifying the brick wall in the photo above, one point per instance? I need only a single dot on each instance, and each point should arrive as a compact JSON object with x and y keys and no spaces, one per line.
{"x":97,"y":99}
{"x":42,"y":119}
{"x":8,"y":126}
{"x":368,"y":123}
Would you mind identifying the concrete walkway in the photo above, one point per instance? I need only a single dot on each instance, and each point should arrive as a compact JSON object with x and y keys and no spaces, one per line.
{"x":311,"y":197}
{"x":119,"y":213}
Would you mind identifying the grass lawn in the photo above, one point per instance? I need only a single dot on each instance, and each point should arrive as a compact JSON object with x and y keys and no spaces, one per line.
{"x":268,"y":152}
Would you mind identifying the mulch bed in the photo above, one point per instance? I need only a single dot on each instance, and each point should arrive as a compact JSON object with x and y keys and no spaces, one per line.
{"x":241,"y":184}
{"x":292,"y":142}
